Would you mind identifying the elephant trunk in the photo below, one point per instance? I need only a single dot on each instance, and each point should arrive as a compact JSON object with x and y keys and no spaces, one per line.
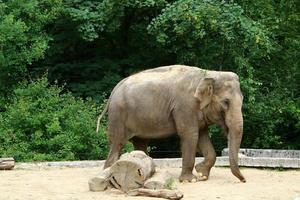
{"x":235,"y":134}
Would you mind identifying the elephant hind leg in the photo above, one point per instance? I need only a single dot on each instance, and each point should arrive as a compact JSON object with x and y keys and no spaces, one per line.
{"x":116,"y":135}
{"x":207,"y":149}
{"x":114,"y":153}
{"x":140,"y":144}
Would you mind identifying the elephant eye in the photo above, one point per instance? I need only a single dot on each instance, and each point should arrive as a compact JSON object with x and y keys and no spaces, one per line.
{"x":225,"y":103}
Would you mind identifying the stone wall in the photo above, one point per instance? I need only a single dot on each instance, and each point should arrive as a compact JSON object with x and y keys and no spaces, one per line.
{"x":266,"y":153}
{"x":247,"y":157}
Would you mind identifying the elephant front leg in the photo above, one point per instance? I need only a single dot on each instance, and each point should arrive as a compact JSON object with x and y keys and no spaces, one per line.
{"x":207,"y":149}
{"x":188,"y":146}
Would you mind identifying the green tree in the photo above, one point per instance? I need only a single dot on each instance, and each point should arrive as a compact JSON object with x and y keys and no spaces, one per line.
{"x":90,"y":45}
{"x":23,"y":37}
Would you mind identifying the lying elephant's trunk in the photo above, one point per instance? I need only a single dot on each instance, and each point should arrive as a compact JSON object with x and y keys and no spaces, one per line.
{"x":234,"y":141}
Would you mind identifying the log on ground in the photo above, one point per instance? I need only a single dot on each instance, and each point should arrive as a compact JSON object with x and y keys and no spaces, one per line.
{"x":160,"y":193}
{"x":7,"y":163}
{"x":131,"y":171}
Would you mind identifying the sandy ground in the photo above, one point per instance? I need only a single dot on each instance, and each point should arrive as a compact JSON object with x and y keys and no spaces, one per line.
{"x":71,"y":184}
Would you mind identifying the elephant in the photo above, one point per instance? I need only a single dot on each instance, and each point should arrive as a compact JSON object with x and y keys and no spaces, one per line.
{"x":177,"y":99}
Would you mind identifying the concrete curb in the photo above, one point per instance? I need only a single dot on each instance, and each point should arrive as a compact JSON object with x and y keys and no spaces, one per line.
{"x":60,"y":164}
{"x":171,"y":162}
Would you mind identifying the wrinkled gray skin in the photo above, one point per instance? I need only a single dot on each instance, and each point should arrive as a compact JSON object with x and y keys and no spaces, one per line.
{"x":181,"y":100}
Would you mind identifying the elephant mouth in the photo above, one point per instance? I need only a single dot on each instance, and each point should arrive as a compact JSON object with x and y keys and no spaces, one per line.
{"x":223,"y":125}
{"x":220,"y":121}
{"x":225,"y":129}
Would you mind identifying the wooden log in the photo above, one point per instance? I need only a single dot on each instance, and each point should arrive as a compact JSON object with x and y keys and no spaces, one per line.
{"x":131,"y":171}
{"x":160,"y":180}
{"x":161,"y":193}
{"x":101,"y":181}
{"x":7,"y":163}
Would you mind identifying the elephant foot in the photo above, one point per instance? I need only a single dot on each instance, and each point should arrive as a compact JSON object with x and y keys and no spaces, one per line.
{"x":203,"y":171}
{"x":185,"y":178}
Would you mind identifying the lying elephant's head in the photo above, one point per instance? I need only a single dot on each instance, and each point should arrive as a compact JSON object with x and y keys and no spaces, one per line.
{"x":221,"y":103}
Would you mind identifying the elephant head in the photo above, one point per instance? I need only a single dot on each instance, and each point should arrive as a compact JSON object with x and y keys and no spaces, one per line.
{"x":221,"y":101}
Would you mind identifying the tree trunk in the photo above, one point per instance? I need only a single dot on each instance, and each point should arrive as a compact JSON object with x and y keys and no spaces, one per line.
{"x":100,"y":182}
{"x":161,"y":193}
{"x":7,"y":163}
{"x":131,"y":171}
{"x":160,"y":180}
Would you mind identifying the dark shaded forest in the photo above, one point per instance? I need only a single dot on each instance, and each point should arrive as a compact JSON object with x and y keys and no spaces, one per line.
{"x":60,"y":59}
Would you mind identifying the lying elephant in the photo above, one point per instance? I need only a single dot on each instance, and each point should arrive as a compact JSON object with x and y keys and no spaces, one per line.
{"x":159,"y":102}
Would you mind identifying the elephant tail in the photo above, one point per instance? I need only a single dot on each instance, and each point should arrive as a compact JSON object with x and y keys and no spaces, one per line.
{"x":107,"y":104}
{"x":100,"y":117}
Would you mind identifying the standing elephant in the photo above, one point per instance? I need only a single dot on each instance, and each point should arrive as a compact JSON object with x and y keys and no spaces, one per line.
{"x":159,"y":102}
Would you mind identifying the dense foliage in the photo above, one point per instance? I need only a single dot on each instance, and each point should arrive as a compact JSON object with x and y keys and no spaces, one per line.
{"x":89,"y":46}
{"x":41,"y":123}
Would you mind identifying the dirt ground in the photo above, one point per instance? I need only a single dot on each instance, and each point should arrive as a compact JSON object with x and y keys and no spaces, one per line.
{"x":71,"y":184}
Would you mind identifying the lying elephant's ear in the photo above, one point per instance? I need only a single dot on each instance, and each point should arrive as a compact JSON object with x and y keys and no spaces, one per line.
{"x":205,"y":91}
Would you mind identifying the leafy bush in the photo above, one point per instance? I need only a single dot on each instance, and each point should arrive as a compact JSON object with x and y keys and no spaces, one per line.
{"x":272,"y":121}
{"x":42,"y":123}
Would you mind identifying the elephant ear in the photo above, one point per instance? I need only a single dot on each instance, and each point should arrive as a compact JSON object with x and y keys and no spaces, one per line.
{"x":204,"y":91}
